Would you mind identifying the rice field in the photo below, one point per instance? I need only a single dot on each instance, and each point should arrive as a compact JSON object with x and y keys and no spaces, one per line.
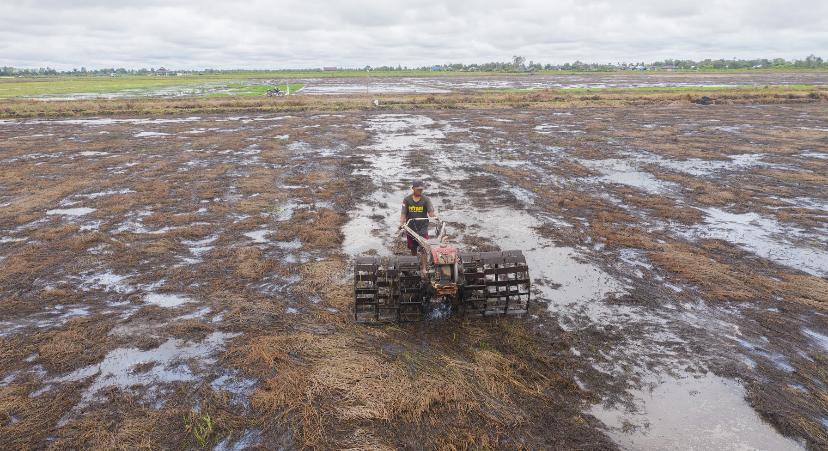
{"x":177,"y":273}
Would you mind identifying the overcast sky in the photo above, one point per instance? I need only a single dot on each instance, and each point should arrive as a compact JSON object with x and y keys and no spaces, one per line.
{"x":194,"y":34}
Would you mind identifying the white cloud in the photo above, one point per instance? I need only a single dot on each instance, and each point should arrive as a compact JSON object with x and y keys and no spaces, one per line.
{"x":312,"y":33}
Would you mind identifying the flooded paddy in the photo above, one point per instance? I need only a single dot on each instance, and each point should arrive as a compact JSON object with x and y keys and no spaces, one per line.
{"x":155,"y":268}
{"x":444,"y":83}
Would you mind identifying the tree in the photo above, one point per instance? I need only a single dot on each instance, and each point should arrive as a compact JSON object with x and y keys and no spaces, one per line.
{"x":813,"y":61}
{"x":517,"y":62}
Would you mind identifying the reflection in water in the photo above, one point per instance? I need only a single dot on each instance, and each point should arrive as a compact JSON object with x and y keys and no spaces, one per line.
{"x":705,"y":413}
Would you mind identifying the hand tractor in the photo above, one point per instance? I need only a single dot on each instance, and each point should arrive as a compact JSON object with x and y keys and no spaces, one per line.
{"x":396,"y":288}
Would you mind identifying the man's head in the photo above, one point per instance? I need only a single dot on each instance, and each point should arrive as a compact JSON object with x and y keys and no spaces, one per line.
{"x":418,"y":186}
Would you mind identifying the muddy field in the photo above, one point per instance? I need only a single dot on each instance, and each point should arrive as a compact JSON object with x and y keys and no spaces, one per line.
{"x":443,"y":83}
{"x":628,"y":79}
{"x":184,"y":281}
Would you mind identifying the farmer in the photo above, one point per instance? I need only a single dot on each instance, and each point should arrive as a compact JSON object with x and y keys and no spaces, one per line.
{"x":417,"y":205}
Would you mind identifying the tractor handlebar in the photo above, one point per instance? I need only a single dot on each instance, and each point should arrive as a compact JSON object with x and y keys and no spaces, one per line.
{"x":408,"y":222}
{"x":441,"y":231}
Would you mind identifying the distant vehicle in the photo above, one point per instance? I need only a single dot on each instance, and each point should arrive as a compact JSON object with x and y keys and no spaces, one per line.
{"x":275,"y":92}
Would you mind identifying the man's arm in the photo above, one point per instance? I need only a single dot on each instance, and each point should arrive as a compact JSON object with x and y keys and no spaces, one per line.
{"x":432,"y":212}
{"x":402,"y":214}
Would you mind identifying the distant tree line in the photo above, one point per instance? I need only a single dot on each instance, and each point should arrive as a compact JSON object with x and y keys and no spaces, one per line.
{"x":6,"y":71}
{"x":517,"y":64}
{"x":810,"y":61}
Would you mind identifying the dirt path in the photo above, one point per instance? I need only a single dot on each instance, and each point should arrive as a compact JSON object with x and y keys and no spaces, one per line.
{"x":160,"y":271}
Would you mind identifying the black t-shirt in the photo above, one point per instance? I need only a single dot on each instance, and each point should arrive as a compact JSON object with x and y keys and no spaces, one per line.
{"x":417,"y":209}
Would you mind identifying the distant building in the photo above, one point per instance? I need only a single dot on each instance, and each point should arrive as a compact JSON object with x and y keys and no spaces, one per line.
{"x":164,"y":72}
{"x":329,"y":68}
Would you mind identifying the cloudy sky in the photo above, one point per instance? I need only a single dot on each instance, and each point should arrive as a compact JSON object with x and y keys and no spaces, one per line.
{"x":194,"y":34}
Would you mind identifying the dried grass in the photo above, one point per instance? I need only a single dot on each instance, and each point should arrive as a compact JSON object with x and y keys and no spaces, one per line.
{"x":317,"y":229}
{"x":367,"y":383}
{"x":534,"y":99}
{"x":614,"y":229}
{"x":796,"y":176}
{"x":36,"y":418}
{"x":132,"y":424}
{"x":720,"y":281}
{"x":81,"y":342}
{"x":249,"y":263}
{"x":661,"y":206}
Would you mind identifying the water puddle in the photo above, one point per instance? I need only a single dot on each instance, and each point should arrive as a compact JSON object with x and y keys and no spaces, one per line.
{"x":692,"y":413}
{"x":106,"y":281}
{"x":401,"y":132}
{"x":258,"y":236}
{"x":511,"y":163}
{"x":548,"y":129}
{"x":289,"y":245}
{"x":369,"y":86}
{"x":626,"y":172}
{"x":48,"y":319}
{"x":80,"y":211}
{"x":522,"y":195}
{"x":166,"y":300}
{"x":110,"y":121}
{"x":373,"y":224}
{"x":817,"y":155}
{"x":700,"y":167}
{"x":821,"y":340}
{"x":134,"y":224}
{"x":276,"y":284}
{"x":804,"y":202}
{"x":198,"y":248}
{"x":763,"y":236}
{"x":198,"y":314}
{"x":150,"y":134}
{"x":761,"y":350}
{"x":173,"y":361}
{"x":106,"y":193}
{"x":234,"y":383}
{"x":284,"y":212}
{"x":92,"y":153}
{"x":576,"y":283}
{"x":248,"y":440}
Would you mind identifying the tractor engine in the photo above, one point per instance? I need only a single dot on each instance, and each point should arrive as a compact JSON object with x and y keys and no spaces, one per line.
{"x":445,"y":260}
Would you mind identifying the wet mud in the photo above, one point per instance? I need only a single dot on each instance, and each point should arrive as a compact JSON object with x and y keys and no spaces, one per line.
{"x":154,"y":269}
{"x":445,"y":84}
{"x":442,"y":84}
